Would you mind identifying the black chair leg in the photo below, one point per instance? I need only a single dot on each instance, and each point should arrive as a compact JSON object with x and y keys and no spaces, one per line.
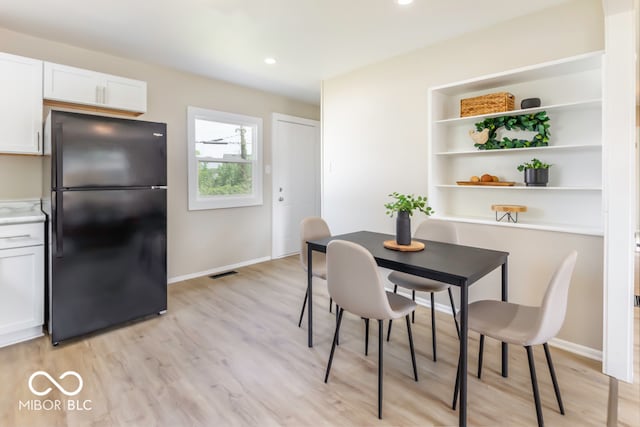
{"x":552,"y":371}
{"x":333,"y":346}
{"x":534,"y":385}
{"x":304,"y":304}
{"x":337,"y":336}
{"x":366,"y":337}
{"x":380,"y":371}
{"x":453,"y":310}
{"x":457,"y":387}
{"x":433,"y":326}
{"x":413,"y":315}
{"x":480,"y":353}
{"x":413,"y":352}
{"x":395,"y":291}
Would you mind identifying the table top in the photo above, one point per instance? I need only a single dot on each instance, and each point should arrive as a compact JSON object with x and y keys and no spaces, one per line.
{"x":444,"y":262}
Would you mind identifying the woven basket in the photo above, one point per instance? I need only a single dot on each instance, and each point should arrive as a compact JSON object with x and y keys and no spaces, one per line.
{"x":485,"y":104}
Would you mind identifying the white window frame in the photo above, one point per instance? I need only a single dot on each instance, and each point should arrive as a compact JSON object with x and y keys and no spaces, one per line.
{"x":197,"y":202}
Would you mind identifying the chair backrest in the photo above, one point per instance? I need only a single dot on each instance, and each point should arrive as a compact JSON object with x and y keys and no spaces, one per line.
{"x":353,"y":281}
{"x":554,"y":303}
{"x":311,"y":228}
{"x":438,"y":231}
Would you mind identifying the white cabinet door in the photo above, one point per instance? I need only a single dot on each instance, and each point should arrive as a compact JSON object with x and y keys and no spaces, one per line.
{"x":78,"y":86}
{"x":70,"y":84}
{"x":21,"y":106}
{"x":125,"y":94}
{"x":21,"y":289}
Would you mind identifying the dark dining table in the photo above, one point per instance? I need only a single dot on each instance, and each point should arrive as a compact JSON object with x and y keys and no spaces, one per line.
{"x":454,"y":264}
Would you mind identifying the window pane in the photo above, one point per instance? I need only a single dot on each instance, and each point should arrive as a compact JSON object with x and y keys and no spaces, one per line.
{"x":223,"y":140}
{"x":219,"y":179}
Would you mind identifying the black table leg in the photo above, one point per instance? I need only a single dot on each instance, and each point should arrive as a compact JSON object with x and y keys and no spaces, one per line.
{"x":464,"y":333}
{"x":505,"y":297}
{"x":310,"y":294}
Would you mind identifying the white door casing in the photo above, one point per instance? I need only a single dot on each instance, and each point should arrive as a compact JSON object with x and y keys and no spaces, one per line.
{"x":619,"y":187}
{"x":296,"y":179}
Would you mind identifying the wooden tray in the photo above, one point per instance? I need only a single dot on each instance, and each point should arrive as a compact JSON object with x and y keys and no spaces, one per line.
{"x":494,"y":184}
{"x":413,"y":247}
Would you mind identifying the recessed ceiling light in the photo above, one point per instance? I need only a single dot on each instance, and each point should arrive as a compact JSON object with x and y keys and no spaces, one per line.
{"x":270,"y":61}
{"x":404,"y":2}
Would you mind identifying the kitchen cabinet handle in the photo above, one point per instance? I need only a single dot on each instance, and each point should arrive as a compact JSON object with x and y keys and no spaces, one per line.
{"x":104,"y":94}
{"x":97,"y":94}
{"x":20,"y":236}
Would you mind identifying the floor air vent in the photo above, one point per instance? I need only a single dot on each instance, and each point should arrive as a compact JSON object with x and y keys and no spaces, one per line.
{"x":226,"y":273}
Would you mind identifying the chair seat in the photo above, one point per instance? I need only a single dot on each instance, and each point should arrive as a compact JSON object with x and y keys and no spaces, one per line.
{"x":505,"y":321}
{"x":416,"y":283}
{"x":400,"y":305}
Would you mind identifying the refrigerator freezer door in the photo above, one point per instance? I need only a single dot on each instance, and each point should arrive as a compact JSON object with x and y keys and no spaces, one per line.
{"x":94,"y":151}
{"x":108,"y":259}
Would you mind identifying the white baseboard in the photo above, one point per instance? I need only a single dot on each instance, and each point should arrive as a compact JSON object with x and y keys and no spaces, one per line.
{"x":580,"y":350}
{"x":217,"y":270}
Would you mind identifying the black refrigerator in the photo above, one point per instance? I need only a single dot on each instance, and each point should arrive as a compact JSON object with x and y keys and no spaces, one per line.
{"x":106,"y":204}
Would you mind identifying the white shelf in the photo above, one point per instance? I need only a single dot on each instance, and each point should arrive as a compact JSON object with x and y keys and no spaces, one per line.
{"x":562,"y":228}
{"x":518,"y":150}
{"x":566,"y":66}
{"x":589,"y":103}
{"x":519,"y":187}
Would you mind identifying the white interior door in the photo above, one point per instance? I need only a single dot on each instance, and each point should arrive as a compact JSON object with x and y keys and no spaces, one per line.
{"x":296,"y":179}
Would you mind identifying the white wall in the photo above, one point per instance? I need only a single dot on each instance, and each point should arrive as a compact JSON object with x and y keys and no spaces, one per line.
{"x":197,"y":240}
{"x":375,"y":142}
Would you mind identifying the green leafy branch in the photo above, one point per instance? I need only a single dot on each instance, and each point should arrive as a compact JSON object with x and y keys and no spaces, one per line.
{"x":407,"y":203}
{"x":533,"y":164}
{"x":536,"y":122}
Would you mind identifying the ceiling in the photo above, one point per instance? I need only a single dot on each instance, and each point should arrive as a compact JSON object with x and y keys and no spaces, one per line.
{"x":312,"y":40}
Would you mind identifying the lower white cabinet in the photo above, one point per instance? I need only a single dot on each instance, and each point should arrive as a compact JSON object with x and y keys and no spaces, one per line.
{"x":21,"y":282}
{"x":66,"y":84}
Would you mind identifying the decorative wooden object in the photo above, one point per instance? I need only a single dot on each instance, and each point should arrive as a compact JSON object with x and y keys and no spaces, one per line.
{"x":485,"y":104}
{"x":413,"y":247}
{"x":508,"y":210}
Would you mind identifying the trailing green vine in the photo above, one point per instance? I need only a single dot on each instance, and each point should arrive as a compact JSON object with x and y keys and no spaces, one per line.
{"x":536,"y":122}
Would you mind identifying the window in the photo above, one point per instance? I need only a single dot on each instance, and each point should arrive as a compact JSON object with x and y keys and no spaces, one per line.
{"x":225,"y":159}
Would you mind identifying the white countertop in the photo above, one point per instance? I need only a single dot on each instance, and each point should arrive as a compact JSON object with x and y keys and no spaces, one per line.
{"x":20,"y":212}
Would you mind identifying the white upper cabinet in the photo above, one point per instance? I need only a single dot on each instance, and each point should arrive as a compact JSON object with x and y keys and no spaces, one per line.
{"x":84,"y":87}
{"x":21,"y":106}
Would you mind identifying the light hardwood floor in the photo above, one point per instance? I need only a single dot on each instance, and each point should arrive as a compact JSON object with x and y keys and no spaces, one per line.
{"x":229,"y":353}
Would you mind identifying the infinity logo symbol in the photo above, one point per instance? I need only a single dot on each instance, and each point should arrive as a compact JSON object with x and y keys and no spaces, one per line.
{"x":55,"y":383}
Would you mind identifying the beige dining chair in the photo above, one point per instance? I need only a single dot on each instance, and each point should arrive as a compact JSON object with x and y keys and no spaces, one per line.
{"x":438,"y":231}
{"x":312,"y":228}
{"x":355,"y":286}
{"x":526,"y":326}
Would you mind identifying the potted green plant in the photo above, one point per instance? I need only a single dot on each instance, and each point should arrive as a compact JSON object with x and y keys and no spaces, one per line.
{"x":536,"y":173}
{"x":405,"y":205}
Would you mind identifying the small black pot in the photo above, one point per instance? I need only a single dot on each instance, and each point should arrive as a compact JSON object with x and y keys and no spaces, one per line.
{"x":536,"y":177}
{"x":530,"y":103}
{"x":403,"y":228}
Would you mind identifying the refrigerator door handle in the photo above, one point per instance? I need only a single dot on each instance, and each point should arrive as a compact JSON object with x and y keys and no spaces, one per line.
{"x":59,"y":222}
{"x":58,"y":155}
